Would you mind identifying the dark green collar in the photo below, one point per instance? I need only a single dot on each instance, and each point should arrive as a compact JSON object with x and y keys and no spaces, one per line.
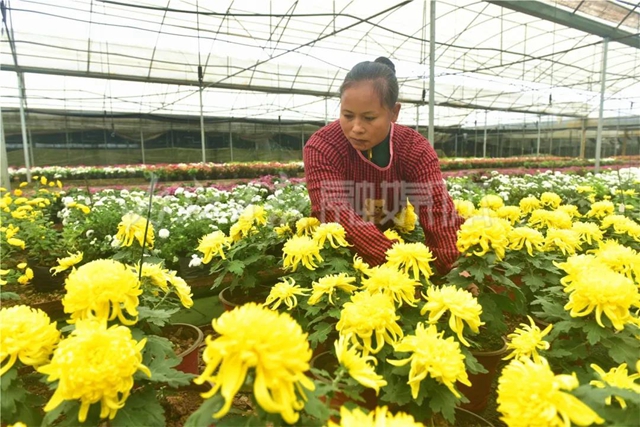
{"x":380,"y":154}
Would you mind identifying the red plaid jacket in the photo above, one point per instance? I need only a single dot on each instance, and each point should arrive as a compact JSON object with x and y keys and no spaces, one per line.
{"x":347,"y":188}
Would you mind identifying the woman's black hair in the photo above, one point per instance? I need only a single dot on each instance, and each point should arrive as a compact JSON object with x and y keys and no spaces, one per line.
{"x":382,"y":73}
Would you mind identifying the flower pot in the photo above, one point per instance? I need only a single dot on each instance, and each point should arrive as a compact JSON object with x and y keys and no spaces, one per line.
{"x":463,"y":418}
{"x":191,"y":337}
{"x":44,"y":281}
{"x":187,"y":272}
{"x":232,"y":298}
{"x":478,"y":393}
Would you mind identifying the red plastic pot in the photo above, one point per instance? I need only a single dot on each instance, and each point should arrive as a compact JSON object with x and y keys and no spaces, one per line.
{"x":478,"y":393}
{"x":191,"y":356}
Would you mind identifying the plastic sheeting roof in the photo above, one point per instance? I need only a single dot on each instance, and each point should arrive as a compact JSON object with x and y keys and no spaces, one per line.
{"x":283,"y":58}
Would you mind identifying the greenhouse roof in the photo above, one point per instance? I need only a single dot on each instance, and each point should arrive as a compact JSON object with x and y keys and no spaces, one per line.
{"x":287,"y":58}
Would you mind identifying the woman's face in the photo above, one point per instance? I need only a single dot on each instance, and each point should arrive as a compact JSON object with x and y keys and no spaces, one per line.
{"x":364,"y":120}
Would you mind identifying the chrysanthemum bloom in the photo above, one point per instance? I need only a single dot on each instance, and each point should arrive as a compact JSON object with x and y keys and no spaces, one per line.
{"x":584,"y":189}
{"x":488,"y":233}
{"x":132,"y":227}
{"x":358,"y":365}
{"x":465,"y":208}
{"x":510,"y":213}
{"x":541,"y":218}
{"x":414,"y":257}
{"x":571,"y":210}
{"x":616,"y":377}
{"x":18,"y":424}
{"x":327,"y":285}
{"x":461,"y":304}
{"x":394,"y":283}
{"x":589,"y":232}
{"x":285,"y":292}
{"x":380,"y":417}
{"x":359,"y":265}
{"x":567,"y":240}
{"x":620,"y":223}
{"x":529,"y":394}
{"x":369,"y":316}
{"x":619,"y":258}
{"x":98,"y":288}
{"x":182,"y":289}
{"x":601,"y":209}
{"x":283,"y":230}
{"x":26,"y":334}
{"x":254,"y":214}
{"x":95,"y":364}
{"x":16,"y":242}
{"x":241,"y":229}
{"x":520,"y":237}
{"x":251,"y":336}
{"x":605,"y":291}
{"x":526,"y":341}
{"x":491,"y":201}
{"x":392,"y":234}
{"x":213,"y":244}
{"x":67,"y":262}
{"x":405,"y":220}
{"x":434,"y":356}
{"x":550,"y":199}
{"x":160,"y":277}
{"x":332,"y":232}
{"x":301,"y":249}
{"x":306,"y":226}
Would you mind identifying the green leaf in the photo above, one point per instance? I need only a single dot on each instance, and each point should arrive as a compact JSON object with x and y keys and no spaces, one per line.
{"x":12,"y":394}
{"x":160,"y":358}
{"x":236,"y":267}
{"x":316,"y":407}
{"x":443,"y":401}
{"x":320,"y":332}
{"x":140,"y":409}
{"x":5,"y":296}
{"x":157,"y":317}
{"x":624,"y":350}
{"x":534,"y":282}
{"x":204,"y":415}
{"x":595,"y":332}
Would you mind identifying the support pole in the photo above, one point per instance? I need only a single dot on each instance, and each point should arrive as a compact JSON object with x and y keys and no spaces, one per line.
{"x":4,"y":164}
{"x":326,"y":111}
{"x":455,"y":145}
{"x":202,"y":135}
{"x":230,"y":143}
{"x":484,"y":144}
{"x":625,"y":140}
{"x":142,"y":145}
{"x":23,"y":126}
{"x":432,"y":69}
{"x":32,"y":147}
{"x":583,"y":138}
{"x":538,"y":143}
{"x":417,"y":116}
{"x":603,"y":80}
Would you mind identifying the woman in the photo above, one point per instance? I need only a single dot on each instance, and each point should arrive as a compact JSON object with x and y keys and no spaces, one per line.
{"x":362,"y":168}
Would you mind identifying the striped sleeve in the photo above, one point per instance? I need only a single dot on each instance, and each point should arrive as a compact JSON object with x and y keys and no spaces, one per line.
{"x":437,"y":214}
{"x":331,"y":201}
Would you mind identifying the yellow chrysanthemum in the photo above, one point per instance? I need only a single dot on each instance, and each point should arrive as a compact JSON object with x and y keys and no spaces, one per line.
{"x":584,"y":189}
{"x":158,"y":276}
{"x":526,"y":340}
{"x":550,"y":199}
{"x":182,"y":289}
{"x":253,"y":214}
{"x":102,"y":289}
{"x":594,"y":286}
{"x":571,"y":210}
{"x":332,"y":232}
{"x":367,"y":317}
{"x":301,"y":249}
{"x":285,"y":292}
{"x":405,"y":220}
{"x":327,"y":285}
{"x":621,"y":225}
{"x":601,"y":209}
{"x":18,"y":424}
{"x":67,"y":262}
{"x":132,"y":227}
{"x":388,"y":280}
{"x":566,"y":240}
{"x":380,"y":417}
{"x":491,"y":201}
{"x":616,"y":377}
{"x":529,"y":204}
{"x":434,"y":356}
{"x":589,"y":232}
{"x":283,"y":230}
{"x":213,"y":244}
{"x":306,"y":226}
{"x":95,"y":364}
{"x":461,"y":304}
{"x":619,"y":258}
{"x":359,"y":265}
{"x":241,"y":229}
{"x":465,"y":208}
{"x":272,"y":343}
{"x":530,"y":394}
{"x":486,"y":232}
{"x":414,"y":257}
{"x":393,"y":235}
{"x":26,"y":334}
{"x":541,"y":218}
{"x":358,"y":365}
{"x":520,"y":237}
{"x":510,"y":213}
{"x":16,"y":242}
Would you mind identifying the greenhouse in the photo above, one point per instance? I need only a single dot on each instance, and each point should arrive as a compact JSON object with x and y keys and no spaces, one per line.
{"x":207,"y":217}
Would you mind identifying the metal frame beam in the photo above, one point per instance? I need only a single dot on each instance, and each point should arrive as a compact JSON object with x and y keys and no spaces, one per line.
{"x":550,"y":13}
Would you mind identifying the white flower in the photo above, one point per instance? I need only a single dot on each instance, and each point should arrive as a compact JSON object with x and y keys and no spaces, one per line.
{"x":163,"y":233}
{"x":196,"y":261}
{"x":115,"y":243}
{"x":89,"y":233}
